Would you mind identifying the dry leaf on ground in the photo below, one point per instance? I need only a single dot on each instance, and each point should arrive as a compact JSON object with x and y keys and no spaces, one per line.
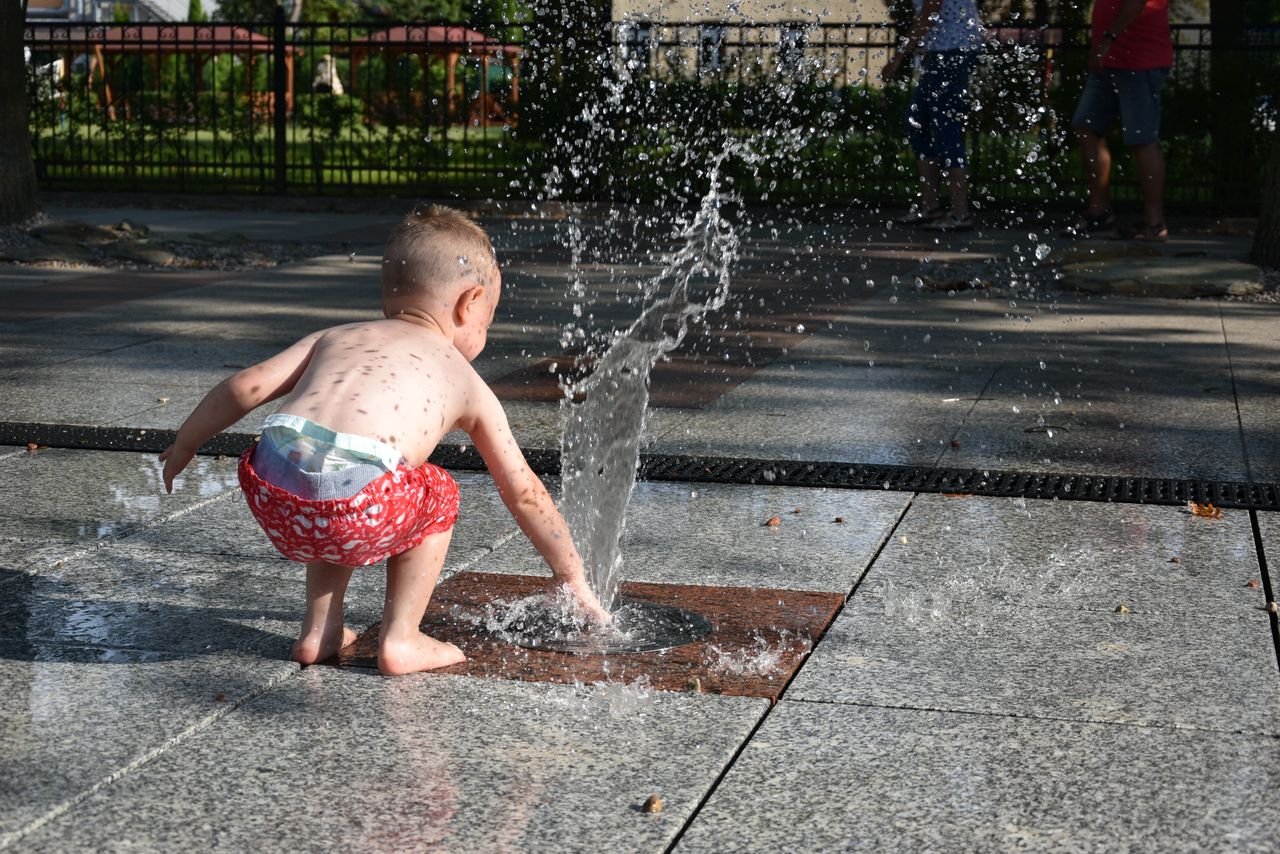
{"x":1208,"y":511}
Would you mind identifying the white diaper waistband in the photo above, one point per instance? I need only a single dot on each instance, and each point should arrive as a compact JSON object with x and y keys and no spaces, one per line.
{"x":349,"y":444}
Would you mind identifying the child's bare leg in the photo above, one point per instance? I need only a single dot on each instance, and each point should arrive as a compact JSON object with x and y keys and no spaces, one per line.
{"x":411,"y":578}
{"x":323,"y":633}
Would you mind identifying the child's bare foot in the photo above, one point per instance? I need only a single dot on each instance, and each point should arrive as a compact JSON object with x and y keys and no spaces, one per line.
{"x":414,"y":654}
{"x":318,"y":645}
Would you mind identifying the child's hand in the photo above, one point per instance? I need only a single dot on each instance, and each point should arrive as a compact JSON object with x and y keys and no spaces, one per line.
{"x":586,"y":598}
{"x":175,"y":459}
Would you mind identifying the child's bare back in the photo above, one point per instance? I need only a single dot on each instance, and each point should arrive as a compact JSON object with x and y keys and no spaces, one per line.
{"x":340,"y":478}
{"x":396,"y":380}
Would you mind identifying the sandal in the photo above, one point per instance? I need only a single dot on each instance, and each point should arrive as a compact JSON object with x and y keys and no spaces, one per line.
{"x":952,"y":222}
{"x":916,"y":216}
{"x":1158,"y":233}
{"x":1089,"y":224}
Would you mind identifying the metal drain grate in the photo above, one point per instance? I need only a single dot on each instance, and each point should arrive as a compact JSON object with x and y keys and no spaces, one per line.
{"x":676,"y":467}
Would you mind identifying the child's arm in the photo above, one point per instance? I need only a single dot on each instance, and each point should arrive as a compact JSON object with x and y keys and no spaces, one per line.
{"x":526,"y":497}
{"x":234,"y":398}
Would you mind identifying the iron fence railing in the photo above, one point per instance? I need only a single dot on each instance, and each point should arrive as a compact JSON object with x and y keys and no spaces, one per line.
{"x":447,"y":110}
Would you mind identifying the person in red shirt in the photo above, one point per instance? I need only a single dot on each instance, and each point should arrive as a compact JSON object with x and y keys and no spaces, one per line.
{"x":1131,"y":52}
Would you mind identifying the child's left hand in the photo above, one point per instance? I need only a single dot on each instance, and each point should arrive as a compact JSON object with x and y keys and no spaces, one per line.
{"x":175,"y":459}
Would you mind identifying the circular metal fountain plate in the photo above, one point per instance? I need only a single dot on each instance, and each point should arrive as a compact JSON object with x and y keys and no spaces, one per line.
{"x":638,"y":627}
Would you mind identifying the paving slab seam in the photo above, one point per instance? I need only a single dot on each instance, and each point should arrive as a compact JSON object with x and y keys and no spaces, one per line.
{"x":9,"y":455}
{"x":1023,"y":716}
{"x":715,"y":784}
{"x":150,"y":755}
{"x":883,"y":544}
{"x":450,"y":572}
{"x":114,"y":539}
{"x":728,"y":766}
{"x":1267,"y":586}
{"x":982,"y":394}
{"x":1235,"y":399}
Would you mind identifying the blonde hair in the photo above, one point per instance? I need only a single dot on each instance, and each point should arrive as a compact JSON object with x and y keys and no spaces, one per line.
{"x":434,"y":247}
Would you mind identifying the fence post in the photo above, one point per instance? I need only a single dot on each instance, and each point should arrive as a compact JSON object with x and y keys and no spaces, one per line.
{"x":279,"y":109}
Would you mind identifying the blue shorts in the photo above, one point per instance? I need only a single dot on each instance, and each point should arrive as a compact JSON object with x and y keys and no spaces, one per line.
{"x":939,"y":107}
{"x":1133,"y":97}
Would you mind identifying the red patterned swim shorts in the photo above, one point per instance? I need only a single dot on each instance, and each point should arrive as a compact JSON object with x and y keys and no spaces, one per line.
{"x":393,"y":514}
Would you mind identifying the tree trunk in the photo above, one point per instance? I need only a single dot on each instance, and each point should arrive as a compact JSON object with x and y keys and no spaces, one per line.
{"x":1266,"y":240}
{"x":18,"y":198}
{"x":1228,"y":110}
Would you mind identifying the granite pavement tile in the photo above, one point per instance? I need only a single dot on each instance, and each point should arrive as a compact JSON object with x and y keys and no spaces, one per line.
{"x":177,"y":360}
{"x":18,"y":357}
{"x":72,"y":717}
{"x":796,"y":410}
{"x":1191,"y":672}
{"x":170,"y":407}
{"x":534,"y":425}
{"x":1254,"y":357}
{"x":86,"y":496}
{"x":823,"y":777}
{"x":26,"y":556}
{"x":715,"y":534}
{"x":426,"y":762}
{"x":173,"y":602}
{"x":1106,"y":423}
{"x":1269,"y":527}
{"x":79,"y":401}
{"x":951,"y":552}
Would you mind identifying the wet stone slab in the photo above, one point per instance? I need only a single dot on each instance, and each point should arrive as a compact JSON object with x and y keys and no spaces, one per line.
{"x":444,"y":762}
{"x":887,"y":415}
{"x":1210,"y":673}
{"x":718,"y":534}
{"x":1025,"y":607}
{"x":22,"y":557}
{"x":927,"y":780}
{"x":1269,"y":526}
{"x":951,"y":552}
{"x":87,"y":496}
{"x":758,"y":637}
{"x":1107,"y":424}
{"x":170,"y":407}
{"x":171,"y":602}
{"x":73,"y":400}
{"x":73,"y":716}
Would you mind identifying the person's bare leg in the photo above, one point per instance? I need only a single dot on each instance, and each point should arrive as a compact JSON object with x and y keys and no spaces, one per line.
{"x":1097,"y":169}
{"x":411,"y":578}
{"x":958,"y":180}
{"x":323,"y":633}
{"x":930,"y":178}
{"x":1151,"y":176}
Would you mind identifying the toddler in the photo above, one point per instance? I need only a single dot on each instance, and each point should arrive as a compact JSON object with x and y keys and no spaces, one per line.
{"x":340,"y":477}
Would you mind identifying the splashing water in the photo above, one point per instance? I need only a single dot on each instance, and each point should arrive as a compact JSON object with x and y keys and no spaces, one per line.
{"x":609,"y":699}
{"x":605,"y":417}
{"x":762,"y":658}
{"x":695,"y":163}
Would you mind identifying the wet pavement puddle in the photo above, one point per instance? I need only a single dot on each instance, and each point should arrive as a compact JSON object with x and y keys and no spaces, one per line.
{"x":760,"y":637}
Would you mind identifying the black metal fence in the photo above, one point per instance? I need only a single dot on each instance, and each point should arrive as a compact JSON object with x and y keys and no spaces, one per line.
{"x":445,"y":110}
